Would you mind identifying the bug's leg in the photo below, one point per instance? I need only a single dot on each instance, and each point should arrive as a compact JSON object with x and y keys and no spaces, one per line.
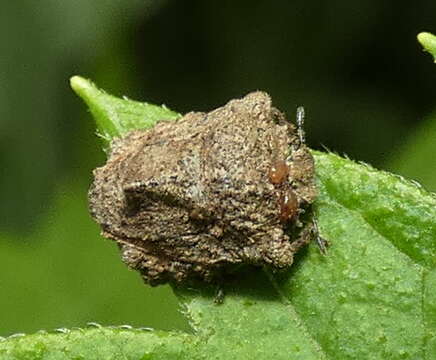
{"x":219,"y":295}
{"x":320,"y":241}
{"x":303,"y":239}
{"x":310,"y":232}
{"x":300,"y":125}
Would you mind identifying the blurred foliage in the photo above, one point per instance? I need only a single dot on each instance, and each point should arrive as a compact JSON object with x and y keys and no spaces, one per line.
{"x":39,"y":137}
{"x":416,"y":158}
{"x":356,"y":68}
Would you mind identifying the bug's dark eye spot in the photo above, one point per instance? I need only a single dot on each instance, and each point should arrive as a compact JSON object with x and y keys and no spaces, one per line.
{"x":133,"y":202}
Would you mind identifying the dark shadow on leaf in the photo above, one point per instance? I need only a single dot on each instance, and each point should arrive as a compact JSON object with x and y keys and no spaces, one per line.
{"x":249,"y":282}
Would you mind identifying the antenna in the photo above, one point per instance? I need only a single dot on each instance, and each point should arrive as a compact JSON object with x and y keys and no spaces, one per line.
{"x":300,"y":124}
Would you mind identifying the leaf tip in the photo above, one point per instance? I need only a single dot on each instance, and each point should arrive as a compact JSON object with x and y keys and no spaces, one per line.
{"x":98,"y":104}
{"x":84,"y":88}
{"x":77,"y":83}
{"x":428,"y":41}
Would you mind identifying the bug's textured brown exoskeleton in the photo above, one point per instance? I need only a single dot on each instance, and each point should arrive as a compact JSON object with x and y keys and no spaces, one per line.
{"x":194,"y":198}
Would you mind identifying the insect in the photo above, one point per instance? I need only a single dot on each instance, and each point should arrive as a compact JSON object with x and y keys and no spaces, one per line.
{"x":196,"y":198}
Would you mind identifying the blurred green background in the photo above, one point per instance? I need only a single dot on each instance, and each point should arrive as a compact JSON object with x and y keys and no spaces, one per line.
{"x":368,"y":89}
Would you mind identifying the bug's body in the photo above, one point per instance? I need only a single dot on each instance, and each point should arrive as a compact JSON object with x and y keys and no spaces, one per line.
{"x":193,"y":198}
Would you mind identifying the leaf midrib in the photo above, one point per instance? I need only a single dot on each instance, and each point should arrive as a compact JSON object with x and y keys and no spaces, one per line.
{"x":302,"y":323}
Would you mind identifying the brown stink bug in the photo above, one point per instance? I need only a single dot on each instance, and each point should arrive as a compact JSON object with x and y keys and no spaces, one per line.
{"x":194,"y":198}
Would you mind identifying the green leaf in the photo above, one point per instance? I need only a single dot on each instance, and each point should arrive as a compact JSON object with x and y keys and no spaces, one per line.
{"x":373,"y":296}
{"x":115,"y":117}
{"x":428,"y":41}
{"x":99,"y":343}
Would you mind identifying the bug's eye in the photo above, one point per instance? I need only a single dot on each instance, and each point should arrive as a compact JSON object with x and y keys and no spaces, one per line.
{"x":288,"y":205}
{"x":279,"y":172}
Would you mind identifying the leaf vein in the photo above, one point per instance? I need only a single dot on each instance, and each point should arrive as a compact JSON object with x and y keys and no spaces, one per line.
{"x":302,"y":324}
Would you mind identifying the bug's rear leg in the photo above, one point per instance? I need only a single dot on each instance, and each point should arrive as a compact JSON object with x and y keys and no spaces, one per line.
{"x":320,"y":241}
{"x":310,"y":232}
